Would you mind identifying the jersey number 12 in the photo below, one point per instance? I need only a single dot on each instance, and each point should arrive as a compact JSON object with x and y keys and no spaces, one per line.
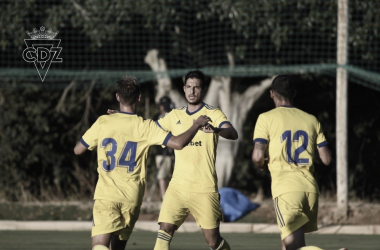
{"x":287,"y":135}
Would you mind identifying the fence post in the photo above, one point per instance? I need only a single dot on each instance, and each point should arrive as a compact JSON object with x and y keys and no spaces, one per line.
{"x":341,"y":111}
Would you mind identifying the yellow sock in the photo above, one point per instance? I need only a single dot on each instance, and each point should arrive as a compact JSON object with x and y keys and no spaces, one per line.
{"x":100,"y":247}
{"x":223,"y":245}
{"x":163,"y":241}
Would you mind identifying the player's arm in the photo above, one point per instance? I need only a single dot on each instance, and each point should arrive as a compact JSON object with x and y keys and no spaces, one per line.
{"x":180,"y":141}
{"x":258,"y":155}
{"x":323,"y":150}
{"x":221,"y":126}
{"x":89,"y":140}
{"x":260,"y":142}
{"x":226,"y":131}
{"x":325,"y":155}
{"x":79,"y":148}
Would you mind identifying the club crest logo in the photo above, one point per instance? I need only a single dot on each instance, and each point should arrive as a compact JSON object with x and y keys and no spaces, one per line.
{"x":42,"y":50}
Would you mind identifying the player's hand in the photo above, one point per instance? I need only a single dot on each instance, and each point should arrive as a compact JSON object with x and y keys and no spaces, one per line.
{"x":111,"y":111}
{"x":265,"y":167}
{"x":208,"y":128}
{"x":202,"y":120}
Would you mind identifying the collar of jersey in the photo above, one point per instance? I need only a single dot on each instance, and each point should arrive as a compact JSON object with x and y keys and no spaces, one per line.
{"x":126,"y":113}
{"x":286,"y":106}
{"x":192,"y":113}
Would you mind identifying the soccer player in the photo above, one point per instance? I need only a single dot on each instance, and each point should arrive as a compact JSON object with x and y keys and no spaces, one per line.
{"x":292,"y":137}
{"x":193,"y":188}
{"x":122,"y":142}
{"x":164,"y":156}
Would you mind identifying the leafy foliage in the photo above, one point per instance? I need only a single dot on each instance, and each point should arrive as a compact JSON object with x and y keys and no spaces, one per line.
{"x":36,"y":143}
{"x":38,"y":128}
{"x":255,"y":32}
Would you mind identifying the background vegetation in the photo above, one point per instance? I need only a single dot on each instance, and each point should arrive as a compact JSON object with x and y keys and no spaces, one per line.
{"x":39,"y":126}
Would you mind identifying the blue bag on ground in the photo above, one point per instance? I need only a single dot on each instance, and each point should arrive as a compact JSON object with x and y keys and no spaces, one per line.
{"x":234,"y":204}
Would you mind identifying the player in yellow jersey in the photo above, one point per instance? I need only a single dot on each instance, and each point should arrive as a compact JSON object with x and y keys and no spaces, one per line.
{"x":292,"y":138}
{"x":122,"y":142}
{"x":193,"y":188}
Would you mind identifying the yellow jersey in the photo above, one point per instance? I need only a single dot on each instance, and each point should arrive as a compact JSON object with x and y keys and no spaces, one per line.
{"x":123,"y":140}
{"x":292,"y":136}
{"x":194,"y":168}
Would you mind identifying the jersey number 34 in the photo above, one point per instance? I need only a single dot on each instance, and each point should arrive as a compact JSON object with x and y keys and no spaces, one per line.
{"x":129,"y":148}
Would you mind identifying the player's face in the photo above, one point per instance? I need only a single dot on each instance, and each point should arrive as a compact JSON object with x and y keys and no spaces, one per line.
{"x":193,"y":91}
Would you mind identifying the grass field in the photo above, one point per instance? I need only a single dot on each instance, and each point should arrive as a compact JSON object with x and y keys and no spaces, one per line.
{"x":41,"y":240}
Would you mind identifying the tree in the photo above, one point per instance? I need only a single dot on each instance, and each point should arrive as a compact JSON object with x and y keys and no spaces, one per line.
{"x":261,"y":38}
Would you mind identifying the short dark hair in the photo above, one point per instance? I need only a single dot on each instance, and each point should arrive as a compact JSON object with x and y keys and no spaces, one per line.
{"x":197,"y":74}
{"x":284,"y":86}
{"x":166,"y":102}
{"x":128,"y":89}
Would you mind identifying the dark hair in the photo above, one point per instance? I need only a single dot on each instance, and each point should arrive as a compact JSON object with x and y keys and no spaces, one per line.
{"x":284,"y":86}
{"x":128,"y":89}
{"x":197,"y":74}
{"x":166,"y":102}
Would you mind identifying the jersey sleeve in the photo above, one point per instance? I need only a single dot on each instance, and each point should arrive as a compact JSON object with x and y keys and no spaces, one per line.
{"x":90,"y":138}
{"x":261,"y":133}
{"x":219,"y":118}
{"x":321,"y":139}
{"x":155,"y":134}
{"x":164,"y":123}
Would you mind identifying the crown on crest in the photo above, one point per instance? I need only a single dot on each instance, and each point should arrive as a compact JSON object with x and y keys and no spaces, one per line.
{"x":42,"y":34}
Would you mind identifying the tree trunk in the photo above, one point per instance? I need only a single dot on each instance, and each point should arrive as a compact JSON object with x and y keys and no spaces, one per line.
{"x":239,"y":108}
{"x":164,"y":83}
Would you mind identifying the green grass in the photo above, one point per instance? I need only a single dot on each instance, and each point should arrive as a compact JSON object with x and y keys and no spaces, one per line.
{"x":41,"y":240}
{"x":49,"y":212}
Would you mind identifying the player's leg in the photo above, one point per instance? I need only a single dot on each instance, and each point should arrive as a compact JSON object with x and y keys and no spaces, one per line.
{"x":215,"y":240}
{"x":173,"y":213}
{"x":295,"y":240}
{"x":310,"y":209}
{"x":129,"y":215}
{"x":101,"y":242}
{"x":164,"y":236}
{"x":106,"y":221}
{"x":309,"y":205}
{"x":205,"y":207}
{"x":168,"y":228}
{"x":117,"y":244}
{"x":293,"y":212}
{"x":164,"y":168}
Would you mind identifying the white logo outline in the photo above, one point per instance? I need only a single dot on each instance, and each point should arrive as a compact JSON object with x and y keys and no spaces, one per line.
{"x":42,"y":43}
